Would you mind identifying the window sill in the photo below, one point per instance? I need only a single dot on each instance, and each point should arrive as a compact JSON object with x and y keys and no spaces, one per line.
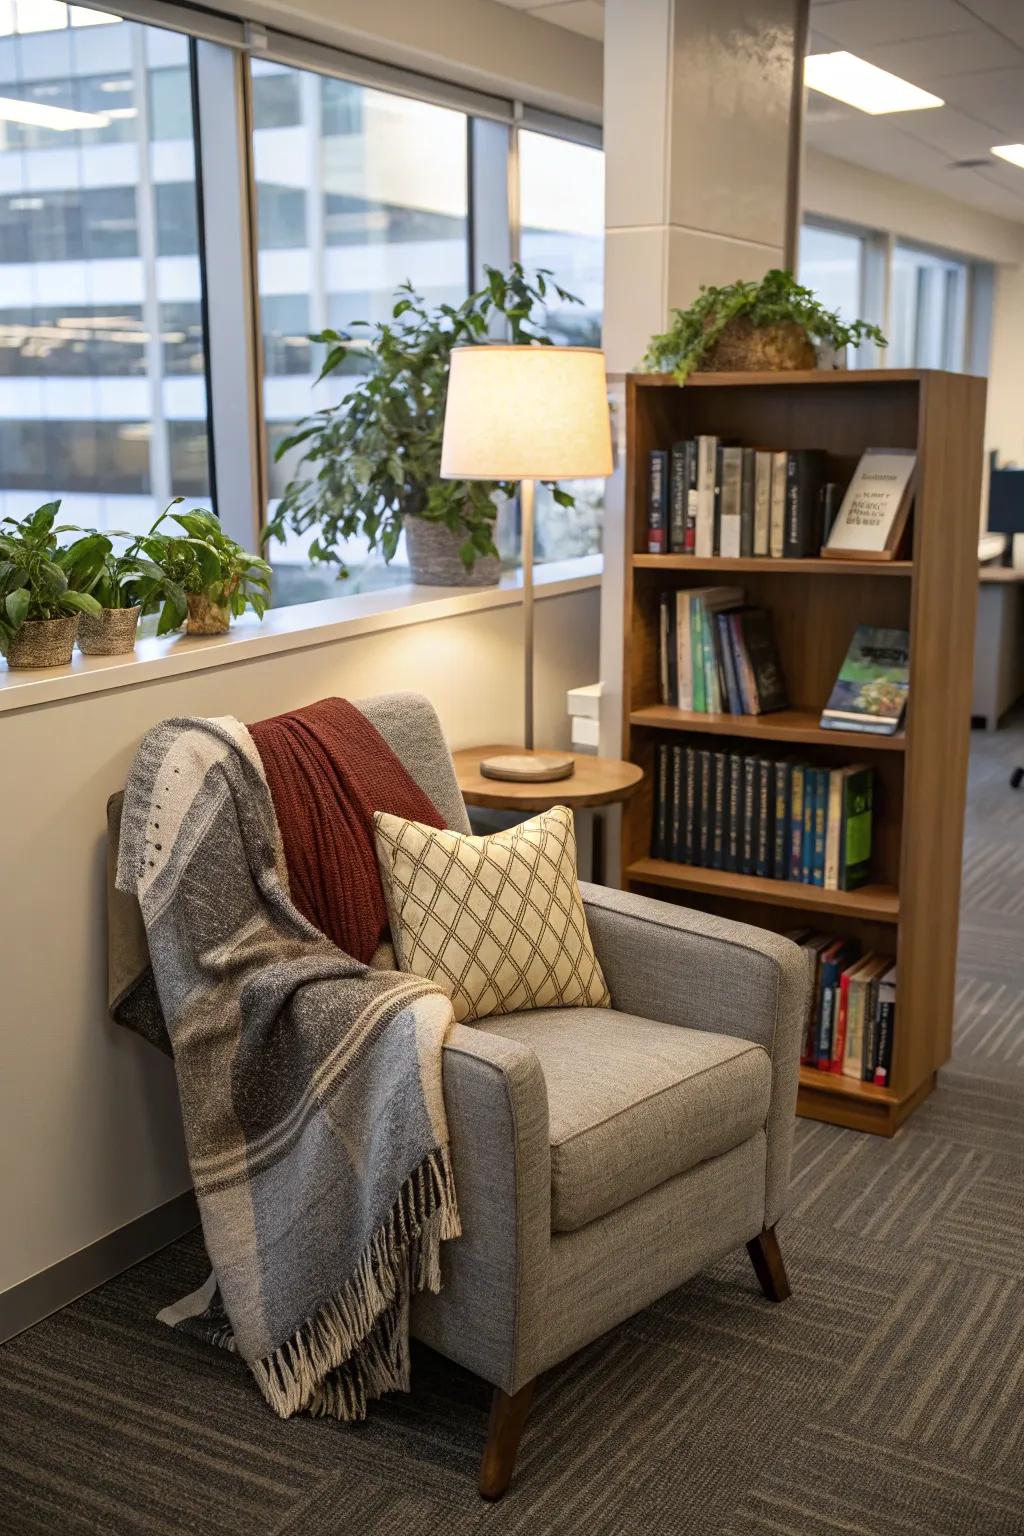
{"x":285,"y":629}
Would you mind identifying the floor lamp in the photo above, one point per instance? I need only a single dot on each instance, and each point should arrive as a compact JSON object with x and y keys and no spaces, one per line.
{"x":527,"y":413}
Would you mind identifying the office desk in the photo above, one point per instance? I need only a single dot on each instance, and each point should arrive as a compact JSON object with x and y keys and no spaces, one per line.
{"x":999,"y":644}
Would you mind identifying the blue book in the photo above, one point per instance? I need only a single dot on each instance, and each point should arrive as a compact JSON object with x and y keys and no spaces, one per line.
{"x":821,"y":789}
{"x":807,"y":841}
{"x":781,"y":840}
{"x":797,"y":788}
{"x":732,"y":688}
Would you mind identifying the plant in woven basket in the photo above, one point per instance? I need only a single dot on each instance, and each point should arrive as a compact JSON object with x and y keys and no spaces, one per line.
{"x":113,"y":577}
{"x":375,"y":457}
{"x":775,"y":323}
{"x":201,"y":575}
{"x":42,"y":588}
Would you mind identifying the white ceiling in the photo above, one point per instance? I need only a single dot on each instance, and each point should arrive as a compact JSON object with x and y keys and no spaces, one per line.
{"x":969,"y":52}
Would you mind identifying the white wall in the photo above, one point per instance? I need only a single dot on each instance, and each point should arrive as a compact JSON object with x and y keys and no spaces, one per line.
{"x":89,"y":1130}
{"x":1004,"y":422}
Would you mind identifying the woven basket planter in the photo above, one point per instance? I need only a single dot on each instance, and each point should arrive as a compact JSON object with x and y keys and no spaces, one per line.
{"x":110,"y":633}
{"x":206,"y":617}
{"x":43,"y":642}
{"x":744,"y":348}
{"x":434,"y":557}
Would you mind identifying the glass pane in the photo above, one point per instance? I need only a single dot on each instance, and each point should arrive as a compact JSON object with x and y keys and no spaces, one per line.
{"x":831,"y":263}
{"x":357,"y":192}
{"x":102,"y":379}
{"x":929,"y":308}
{"x":561,"y":206}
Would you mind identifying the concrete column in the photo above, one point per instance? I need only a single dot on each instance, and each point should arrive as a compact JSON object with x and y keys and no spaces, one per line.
{"x":702,"y":131}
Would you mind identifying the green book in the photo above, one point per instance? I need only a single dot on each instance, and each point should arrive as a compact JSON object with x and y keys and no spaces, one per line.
{"x":700,"y":703}
{"x":870,"y":693}
{"x":855,"y":835}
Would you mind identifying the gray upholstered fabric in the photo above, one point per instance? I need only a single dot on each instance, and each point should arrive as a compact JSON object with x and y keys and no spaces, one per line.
{"x":686,"y":967}
{"x":614,"y":1267}
{"x":490,"y":1314}
{"x":410,"y":727}
{"x":633,"y":1102}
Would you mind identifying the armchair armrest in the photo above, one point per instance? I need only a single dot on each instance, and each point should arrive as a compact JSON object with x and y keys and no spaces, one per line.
{"x":680,"y":966}
{"x":488,"y":1314}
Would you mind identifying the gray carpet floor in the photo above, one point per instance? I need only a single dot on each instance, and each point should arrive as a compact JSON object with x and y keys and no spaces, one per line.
{"x":885,"y":1399}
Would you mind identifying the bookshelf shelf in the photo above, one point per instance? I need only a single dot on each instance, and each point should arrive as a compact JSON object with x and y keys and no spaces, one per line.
{"x":783,"y":725}
{"x":875,"y":903}
{"x":774,"y":567}
{"x":911,"y":909}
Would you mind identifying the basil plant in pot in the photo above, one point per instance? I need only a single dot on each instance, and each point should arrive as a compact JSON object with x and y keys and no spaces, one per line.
{"x":41,"y":589}
{"x":772,"y":325}
{"x":199,"y":576}
{"x":370,"y":464}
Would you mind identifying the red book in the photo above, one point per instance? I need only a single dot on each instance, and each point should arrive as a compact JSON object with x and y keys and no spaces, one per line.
{"x":839,"y":1032}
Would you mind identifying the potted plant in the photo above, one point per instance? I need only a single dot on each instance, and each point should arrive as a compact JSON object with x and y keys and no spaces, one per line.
{"x":112,"y":579}
{"x":767,"y":326}
{"x":375,"y":457}
{"x":41,"y":594}
{"x":199,"y":577}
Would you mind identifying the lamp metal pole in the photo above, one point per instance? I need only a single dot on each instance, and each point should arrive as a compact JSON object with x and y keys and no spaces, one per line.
{"x":527,"y":490}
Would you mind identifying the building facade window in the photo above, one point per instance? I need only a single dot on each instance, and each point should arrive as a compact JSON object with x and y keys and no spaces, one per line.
{"x":102,"y":353}
{"x":929,"y":309}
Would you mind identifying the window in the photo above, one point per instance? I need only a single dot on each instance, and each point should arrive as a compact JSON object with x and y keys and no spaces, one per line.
{"x":929,"y":310}
{"x":832,"y":264}
{"x":102,"y":377}
{"x":376,"y":193}
{"x":561,"y":209}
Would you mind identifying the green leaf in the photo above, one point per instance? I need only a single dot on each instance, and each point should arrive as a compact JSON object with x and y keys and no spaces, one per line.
{"x":16,"y":605}
{"x":81,"y":602}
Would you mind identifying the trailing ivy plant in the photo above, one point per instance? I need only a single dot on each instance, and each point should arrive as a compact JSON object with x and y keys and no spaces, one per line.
{"x":375,"y":457}
{"x":39,"y":577}
{"x":778,"y":299}
{"x":201,"y":560}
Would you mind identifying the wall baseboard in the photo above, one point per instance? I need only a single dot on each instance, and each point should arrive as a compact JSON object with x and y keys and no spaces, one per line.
{"x":40,"y":1295}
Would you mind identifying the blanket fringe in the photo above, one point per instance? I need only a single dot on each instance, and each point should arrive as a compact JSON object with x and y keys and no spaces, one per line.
{"x":356,"y":1346}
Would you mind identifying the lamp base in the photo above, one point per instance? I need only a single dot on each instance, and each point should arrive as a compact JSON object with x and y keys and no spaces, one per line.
{"x":528,"y":767}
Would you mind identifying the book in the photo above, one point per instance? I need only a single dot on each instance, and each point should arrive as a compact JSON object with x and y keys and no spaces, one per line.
{"x":805,"y":472}
{"x":815,"y":945}
{"x":777,"y":513}
{"x":657,"y":501}
{"x":885,"y":1027}
{"x":677,"y":500}
{"x":797,"y":787}
{"x":820,"y":825}
{"x":858,"y":793}
{"x":749,"y":812}
{"x":873,"y":515}
{"x":690,"y":461}
{"x":807,"y":847}
{"x":712,"y":601}
{"x":704,"y":807}
{"x":690,"y":805}
{"x":762,"y":501}
{"x":659,"y":836}
{"x":748,"y":476}
{"x":833,"y":828}
{"x":734,"y":811}
{"x":718,"y":805}
{"x":832,"y":494}
{"x":704,"y":532}
{"x":871,"y":1029}
{"x":757,"y":637}
{"x":664,"y":693}
{"x":781,"y":828}
{"x":870,"y":694}
{"x":765,"y":813}
{"x":862,"y":995}
{"x":839,"y":955}
{"x":733,"y":696}
{"x":675,"y":816}
{"x":672,"y":651}
{"x":697,"y":658}
{"x":684,"y":652}
{"x":730,"y":503}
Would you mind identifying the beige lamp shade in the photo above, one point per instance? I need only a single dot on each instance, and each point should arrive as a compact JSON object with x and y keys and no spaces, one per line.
{"x":526,"y":413}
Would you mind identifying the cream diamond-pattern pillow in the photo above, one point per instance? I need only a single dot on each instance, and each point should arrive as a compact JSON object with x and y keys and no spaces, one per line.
{"x":497,"y":922}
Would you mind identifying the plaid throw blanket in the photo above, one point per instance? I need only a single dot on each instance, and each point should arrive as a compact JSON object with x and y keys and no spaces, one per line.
{"x":310,"y":1086}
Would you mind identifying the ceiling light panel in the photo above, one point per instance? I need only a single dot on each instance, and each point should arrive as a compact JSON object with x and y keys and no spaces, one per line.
{"x":859,"y":84}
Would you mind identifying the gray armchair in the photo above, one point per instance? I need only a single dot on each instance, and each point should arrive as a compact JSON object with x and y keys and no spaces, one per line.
{"x":602,"y":1156}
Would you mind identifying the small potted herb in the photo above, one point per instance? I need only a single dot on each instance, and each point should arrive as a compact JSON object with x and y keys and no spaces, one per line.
{"x":371,"y":464}
{"x":200,"y":577}
{"x":772,"y":325}
{"x":41,"y":596}
{"x":112,"y":579}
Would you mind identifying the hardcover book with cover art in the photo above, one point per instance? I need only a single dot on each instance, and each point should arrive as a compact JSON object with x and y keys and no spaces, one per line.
{"x":870,"y":693}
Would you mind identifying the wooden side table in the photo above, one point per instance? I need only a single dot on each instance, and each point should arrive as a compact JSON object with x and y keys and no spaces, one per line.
{"x":596,"y":783}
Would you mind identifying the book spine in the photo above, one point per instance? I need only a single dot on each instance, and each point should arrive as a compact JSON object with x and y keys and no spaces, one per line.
{"x":853,"y":1049}
{"x":731,"y":504}
{"x":748,"y":492}
{"x":657,"y":501}
{"x":672,"y":643}
{"x":807,"y":850}
{"x":777,"y":521}
{"x":886,"y":1010}
{"x":660,"y":832}
{"x":765,"y":810}
{"x":855,"y":834}
{"x":663,"y":692}
{"x":704,"y":533}
{"x":712,"y":692}
{"x":704,"y":809}
{"x":842,"y":1005}
{"x":677,"y":500}
{"x":675,"y":829}
{"x":780,"y":842}
{"x":718,"y":811}
{"x":732,"y":692}
{"x":871,"y":991}
{"x":740,"y":662}
{"x":797,"y":795}
{"x":820,"y":825}
{"x":697,"y":653}
{"x":748,"y":847}
{"x":734,"y":812}
{"x":833,"y":828}
{"x":684,"y":652}
{"x":689,"y":853}
{"x":829,"y":974}
{"x":762,"y":502}
{"x":716,"y":548}
{"x":809,"y":1050}
{"x":692,"y":498}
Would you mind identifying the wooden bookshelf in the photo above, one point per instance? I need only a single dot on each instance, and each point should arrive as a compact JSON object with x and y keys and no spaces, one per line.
{"x":911,"y":907}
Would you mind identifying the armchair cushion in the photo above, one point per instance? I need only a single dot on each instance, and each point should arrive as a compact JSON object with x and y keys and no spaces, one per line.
{"x":632,"y":1102}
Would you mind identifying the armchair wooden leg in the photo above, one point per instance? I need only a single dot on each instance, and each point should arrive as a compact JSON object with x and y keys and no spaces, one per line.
{"x":766,"y":1257}
{"x":504,"y":1431}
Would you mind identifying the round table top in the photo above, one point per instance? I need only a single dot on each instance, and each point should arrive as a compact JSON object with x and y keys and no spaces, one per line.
{"x":595,"y":781}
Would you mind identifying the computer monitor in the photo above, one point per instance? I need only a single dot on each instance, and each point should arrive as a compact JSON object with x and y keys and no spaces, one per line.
{"x":1006,"y":501}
